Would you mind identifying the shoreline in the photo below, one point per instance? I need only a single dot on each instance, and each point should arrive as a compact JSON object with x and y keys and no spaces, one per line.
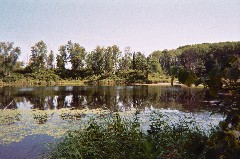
{"x":86,"y":83}
{"x":175,"y":84}
{"x":159,"y":84}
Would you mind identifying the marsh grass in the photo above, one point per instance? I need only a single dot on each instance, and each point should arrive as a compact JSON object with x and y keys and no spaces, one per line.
{"x":120,"y":138}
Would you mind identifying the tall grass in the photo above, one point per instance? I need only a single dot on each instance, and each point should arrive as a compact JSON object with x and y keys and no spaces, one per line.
{"x":122,"y":138}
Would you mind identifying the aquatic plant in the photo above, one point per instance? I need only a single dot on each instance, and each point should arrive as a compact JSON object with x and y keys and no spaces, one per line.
{"x":9,"y":117}
{"x":115,"y":138}
{"x":120,"y":137}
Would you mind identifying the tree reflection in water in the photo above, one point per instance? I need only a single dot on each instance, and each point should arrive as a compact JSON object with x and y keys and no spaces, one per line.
{"x":114,"y":98}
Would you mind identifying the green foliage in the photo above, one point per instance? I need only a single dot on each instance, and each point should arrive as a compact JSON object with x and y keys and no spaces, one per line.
{"x":95,"y":60}
{"x":8,"y":57}
{"x":38,"y":56}
{"x":132,"y":76}
{"x":178,"y":140}
{"x":200,"y":58}
{"x":168,"y":59}
{"x":223,"y":145}
{"x":111,"y":59}
{"x":44,"y":75}
{"x":156,"y":55}
{"x":77,"y":55}
{"x":50,"y":60}
{"x":118,"y":137}
{"x":62,"y":58}
{"x":153,"y":65}
{"x":186,"y":77}
{"x":192,"y":64}
{"x":125,"y":63}
{"x":14,"y":77}
{"x":157,"y":78}
{"x":222,"y":81}
{"x":139,"y":62}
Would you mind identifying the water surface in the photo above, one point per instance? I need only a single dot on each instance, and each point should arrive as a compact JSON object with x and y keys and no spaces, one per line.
{"x":30,"y":116}
{"x":115,"y":98}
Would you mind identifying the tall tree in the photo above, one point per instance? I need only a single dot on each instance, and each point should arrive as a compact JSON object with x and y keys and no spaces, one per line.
{"x":62,"y":57}
{"x":108,"y":61}
{"x":191,"y":59}
{"x":168,"y":59}
{"x":156,"y":55}
{"x":96,"y":60}
{"x":8,"y":57}
{"x":125,"y":62}
{"x":154,"y":61}
{"x":153,"y":65}
{"x":38,"y":56}
{"x":50,"y":60}
{"x":77,"y":55}
{"x":139,"y":61}
{"x":115,"y":57}
{"x":111,"y":58}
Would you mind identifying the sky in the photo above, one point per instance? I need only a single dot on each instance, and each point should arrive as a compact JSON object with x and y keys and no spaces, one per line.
{"x":144,"y":25}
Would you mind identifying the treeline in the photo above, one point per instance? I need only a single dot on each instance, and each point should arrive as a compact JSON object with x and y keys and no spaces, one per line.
{"x":204,"y":63}
{"x":73,"y":62}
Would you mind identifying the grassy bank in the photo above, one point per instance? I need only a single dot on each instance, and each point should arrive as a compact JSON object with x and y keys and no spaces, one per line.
{"x":44,"y":78}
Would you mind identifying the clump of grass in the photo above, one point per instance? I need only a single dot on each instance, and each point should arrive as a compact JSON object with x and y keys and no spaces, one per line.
{"x":174,"y":140}
{"x":114,"y":138}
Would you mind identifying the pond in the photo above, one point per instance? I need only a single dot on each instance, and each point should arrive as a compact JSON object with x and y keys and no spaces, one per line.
{"x":32,"y":116}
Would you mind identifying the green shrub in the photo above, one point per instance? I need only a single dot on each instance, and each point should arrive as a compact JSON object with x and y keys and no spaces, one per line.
{"x":176,"y":140}
{"x":44,"y":75}
{"x":13,"y":78}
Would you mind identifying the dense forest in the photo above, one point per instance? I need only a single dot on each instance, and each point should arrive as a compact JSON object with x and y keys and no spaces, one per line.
{"x":187,"y":63}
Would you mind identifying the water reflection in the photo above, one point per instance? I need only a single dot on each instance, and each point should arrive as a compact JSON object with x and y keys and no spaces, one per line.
{"x":114,"y":98}
{"x":28,"y":119}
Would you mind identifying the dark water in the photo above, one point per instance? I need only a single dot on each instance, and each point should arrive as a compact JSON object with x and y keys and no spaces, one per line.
{"x":29,"y":148}
{"x":24,"y":132}
{"x":115,"y":98}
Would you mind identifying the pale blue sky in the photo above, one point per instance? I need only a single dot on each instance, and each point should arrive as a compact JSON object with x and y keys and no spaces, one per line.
{"x":144,"y":25}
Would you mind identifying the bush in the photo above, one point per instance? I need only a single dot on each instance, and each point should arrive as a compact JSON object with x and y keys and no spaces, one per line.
{"x":44,"y":75}
{"x":132,"y":76}
{"x":13,"y":78}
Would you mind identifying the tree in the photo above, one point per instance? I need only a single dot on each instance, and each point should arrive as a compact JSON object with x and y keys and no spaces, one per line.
{"x":156,"y":55}
{"x":108,"y":61}
{"x":8,"y":57}
{"x":168,"y":59}
{"x":38,"y":56}
{"x":50,"y":60}
{"x":111,"y":59}
{"x":192,"y":58}
{"x":95,"y":60}
{"x":77,"y":55}
{"x":153,"y":65}
{"x":125,"y":63}
{"x":139,"y":61}
{"x":62,"y":57}
{"x":115,"y":57}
